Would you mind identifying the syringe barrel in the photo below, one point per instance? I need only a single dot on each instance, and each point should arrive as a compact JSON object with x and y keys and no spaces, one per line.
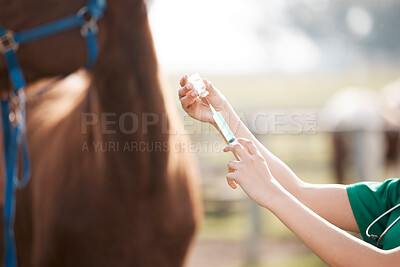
{"x":224,"y":128}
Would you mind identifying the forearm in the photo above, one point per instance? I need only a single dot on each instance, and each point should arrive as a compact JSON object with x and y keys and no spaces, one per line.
{"x":287,"y":178}
{"x":333,"y":245}
{"x":328,"y":201}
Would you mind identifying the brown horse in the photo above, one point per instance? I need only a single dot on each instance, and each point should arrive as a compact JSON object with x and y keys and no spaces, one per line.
{"x":100,"y":194}
{"x":365,"y":128}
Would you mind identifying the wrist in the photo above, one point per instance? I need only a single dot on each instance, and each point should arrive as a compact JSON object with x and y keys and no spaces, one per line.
{"x":227,"y":113}
{"x":230,"y":116}
{"x":275,"y":196}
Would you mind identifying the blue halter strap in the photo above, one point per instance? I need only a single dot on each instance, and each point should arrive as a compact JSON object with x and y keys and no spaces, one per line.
{"x":13,"y":108}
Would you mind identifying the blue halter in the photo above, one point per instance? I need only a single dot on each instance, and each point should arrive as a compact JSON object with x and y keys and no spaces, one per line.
{"x":13,"y":108}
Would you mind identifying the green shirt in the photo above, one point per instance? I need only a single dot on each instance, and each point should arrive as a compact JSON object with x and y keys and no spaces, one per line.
{"x":371,"y":199}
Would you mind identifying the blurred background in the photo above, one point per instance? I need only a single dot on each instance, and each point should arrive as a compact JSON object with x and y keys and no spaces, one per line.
{"x":315,"y":80}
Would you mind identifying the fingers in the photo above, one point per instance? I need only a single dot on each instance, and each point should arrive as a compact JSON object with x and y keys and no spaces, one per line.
{"x":192,"y":107}
{"x":185,"y":90}
{"x":230,"y":177}
{"x":187,"y":87}
{"x":233,"y":165}
{"x":189,"y":99}
{"x":184,"y":80}
{"x":249,"y":145}
{"x":232,"y":183}
{"x":237,"y":149}
{"x":210,"y":87}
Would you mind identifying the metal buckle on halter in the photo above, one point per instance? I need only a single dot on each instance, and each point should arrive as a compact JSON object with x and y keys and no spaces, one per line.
{"x":7,"y":42}
{"x":90,"y":24}
{"x":16,"y":102}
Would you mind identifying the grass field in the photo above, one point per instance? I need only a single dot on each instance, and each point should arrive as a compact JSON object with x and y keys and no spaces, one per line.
{"x":225,"y":231}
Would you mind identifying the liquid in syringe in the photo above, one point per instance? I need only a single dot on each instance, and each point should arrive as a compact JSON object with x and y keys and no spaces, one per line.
{"x":200,"y":87}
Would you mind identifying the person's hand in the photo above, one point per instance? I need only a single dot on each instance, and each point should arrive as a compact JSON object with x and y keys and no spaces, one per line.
{"x":198,"y":108}
{"x":251,"y":172}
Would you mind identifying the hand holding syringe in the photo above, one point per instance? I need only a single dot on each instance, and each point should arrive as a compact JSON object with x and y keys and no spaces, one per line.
{"x":214,"y":108}
{"x":199,"y":88}
{"x":272,"y":185}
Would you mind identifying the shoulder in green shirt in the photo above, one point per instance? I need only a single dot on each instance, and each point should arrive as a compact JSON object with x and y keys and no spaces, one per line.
{"x":368,"y":201}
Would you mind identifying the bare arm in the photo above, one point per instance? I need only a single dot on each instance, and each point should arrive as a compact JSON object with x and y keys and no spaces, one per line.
{"x":333,"y":245}
{"x":329,"y":201}
{"x":330,"y":243}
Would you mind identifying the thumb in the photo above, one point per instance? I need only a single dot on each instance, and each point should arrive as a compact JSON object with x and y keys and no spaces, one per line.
{"x":210,"y":88}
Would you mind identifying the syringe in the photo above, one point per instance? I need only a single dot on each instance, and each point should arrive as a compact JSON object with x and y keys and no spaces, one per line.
{"x":221,"y":123}
{"x":200,"y":87}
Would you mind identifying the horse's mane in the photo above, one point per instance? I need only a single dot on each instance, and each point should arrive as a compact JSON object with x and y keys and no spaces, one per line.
{"x":124,"y":80}
{"x":141,"y":195}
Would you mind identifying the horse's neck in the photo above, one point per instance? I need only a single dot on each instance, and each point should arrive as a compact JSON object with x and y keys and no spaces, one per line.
{"x":55,"y":105}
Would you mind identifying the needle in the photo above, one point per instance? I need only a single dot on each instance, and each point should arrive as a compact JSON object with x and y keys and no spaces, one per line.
{"x":211,"y":107}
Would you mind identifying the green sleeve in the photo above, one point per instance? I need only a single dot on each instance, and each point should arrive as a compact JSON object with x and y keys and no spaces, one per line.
{"x":369,"y":200}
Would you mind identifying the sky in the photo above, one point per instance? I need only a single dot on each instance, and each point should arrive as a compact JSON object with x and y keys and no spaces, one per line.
{"x":223,"y":36}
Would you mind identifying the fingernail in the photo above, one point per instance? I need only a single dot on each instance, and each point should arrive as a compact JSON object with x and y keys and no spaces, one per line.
{"x":194,"y":93}
{"x":189,"y":86}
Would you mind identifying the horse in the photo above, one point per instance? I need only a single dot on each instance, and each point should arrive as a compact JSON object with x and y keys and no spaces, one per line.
{"x":359,"y":121}
{"x":109,"y":183}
